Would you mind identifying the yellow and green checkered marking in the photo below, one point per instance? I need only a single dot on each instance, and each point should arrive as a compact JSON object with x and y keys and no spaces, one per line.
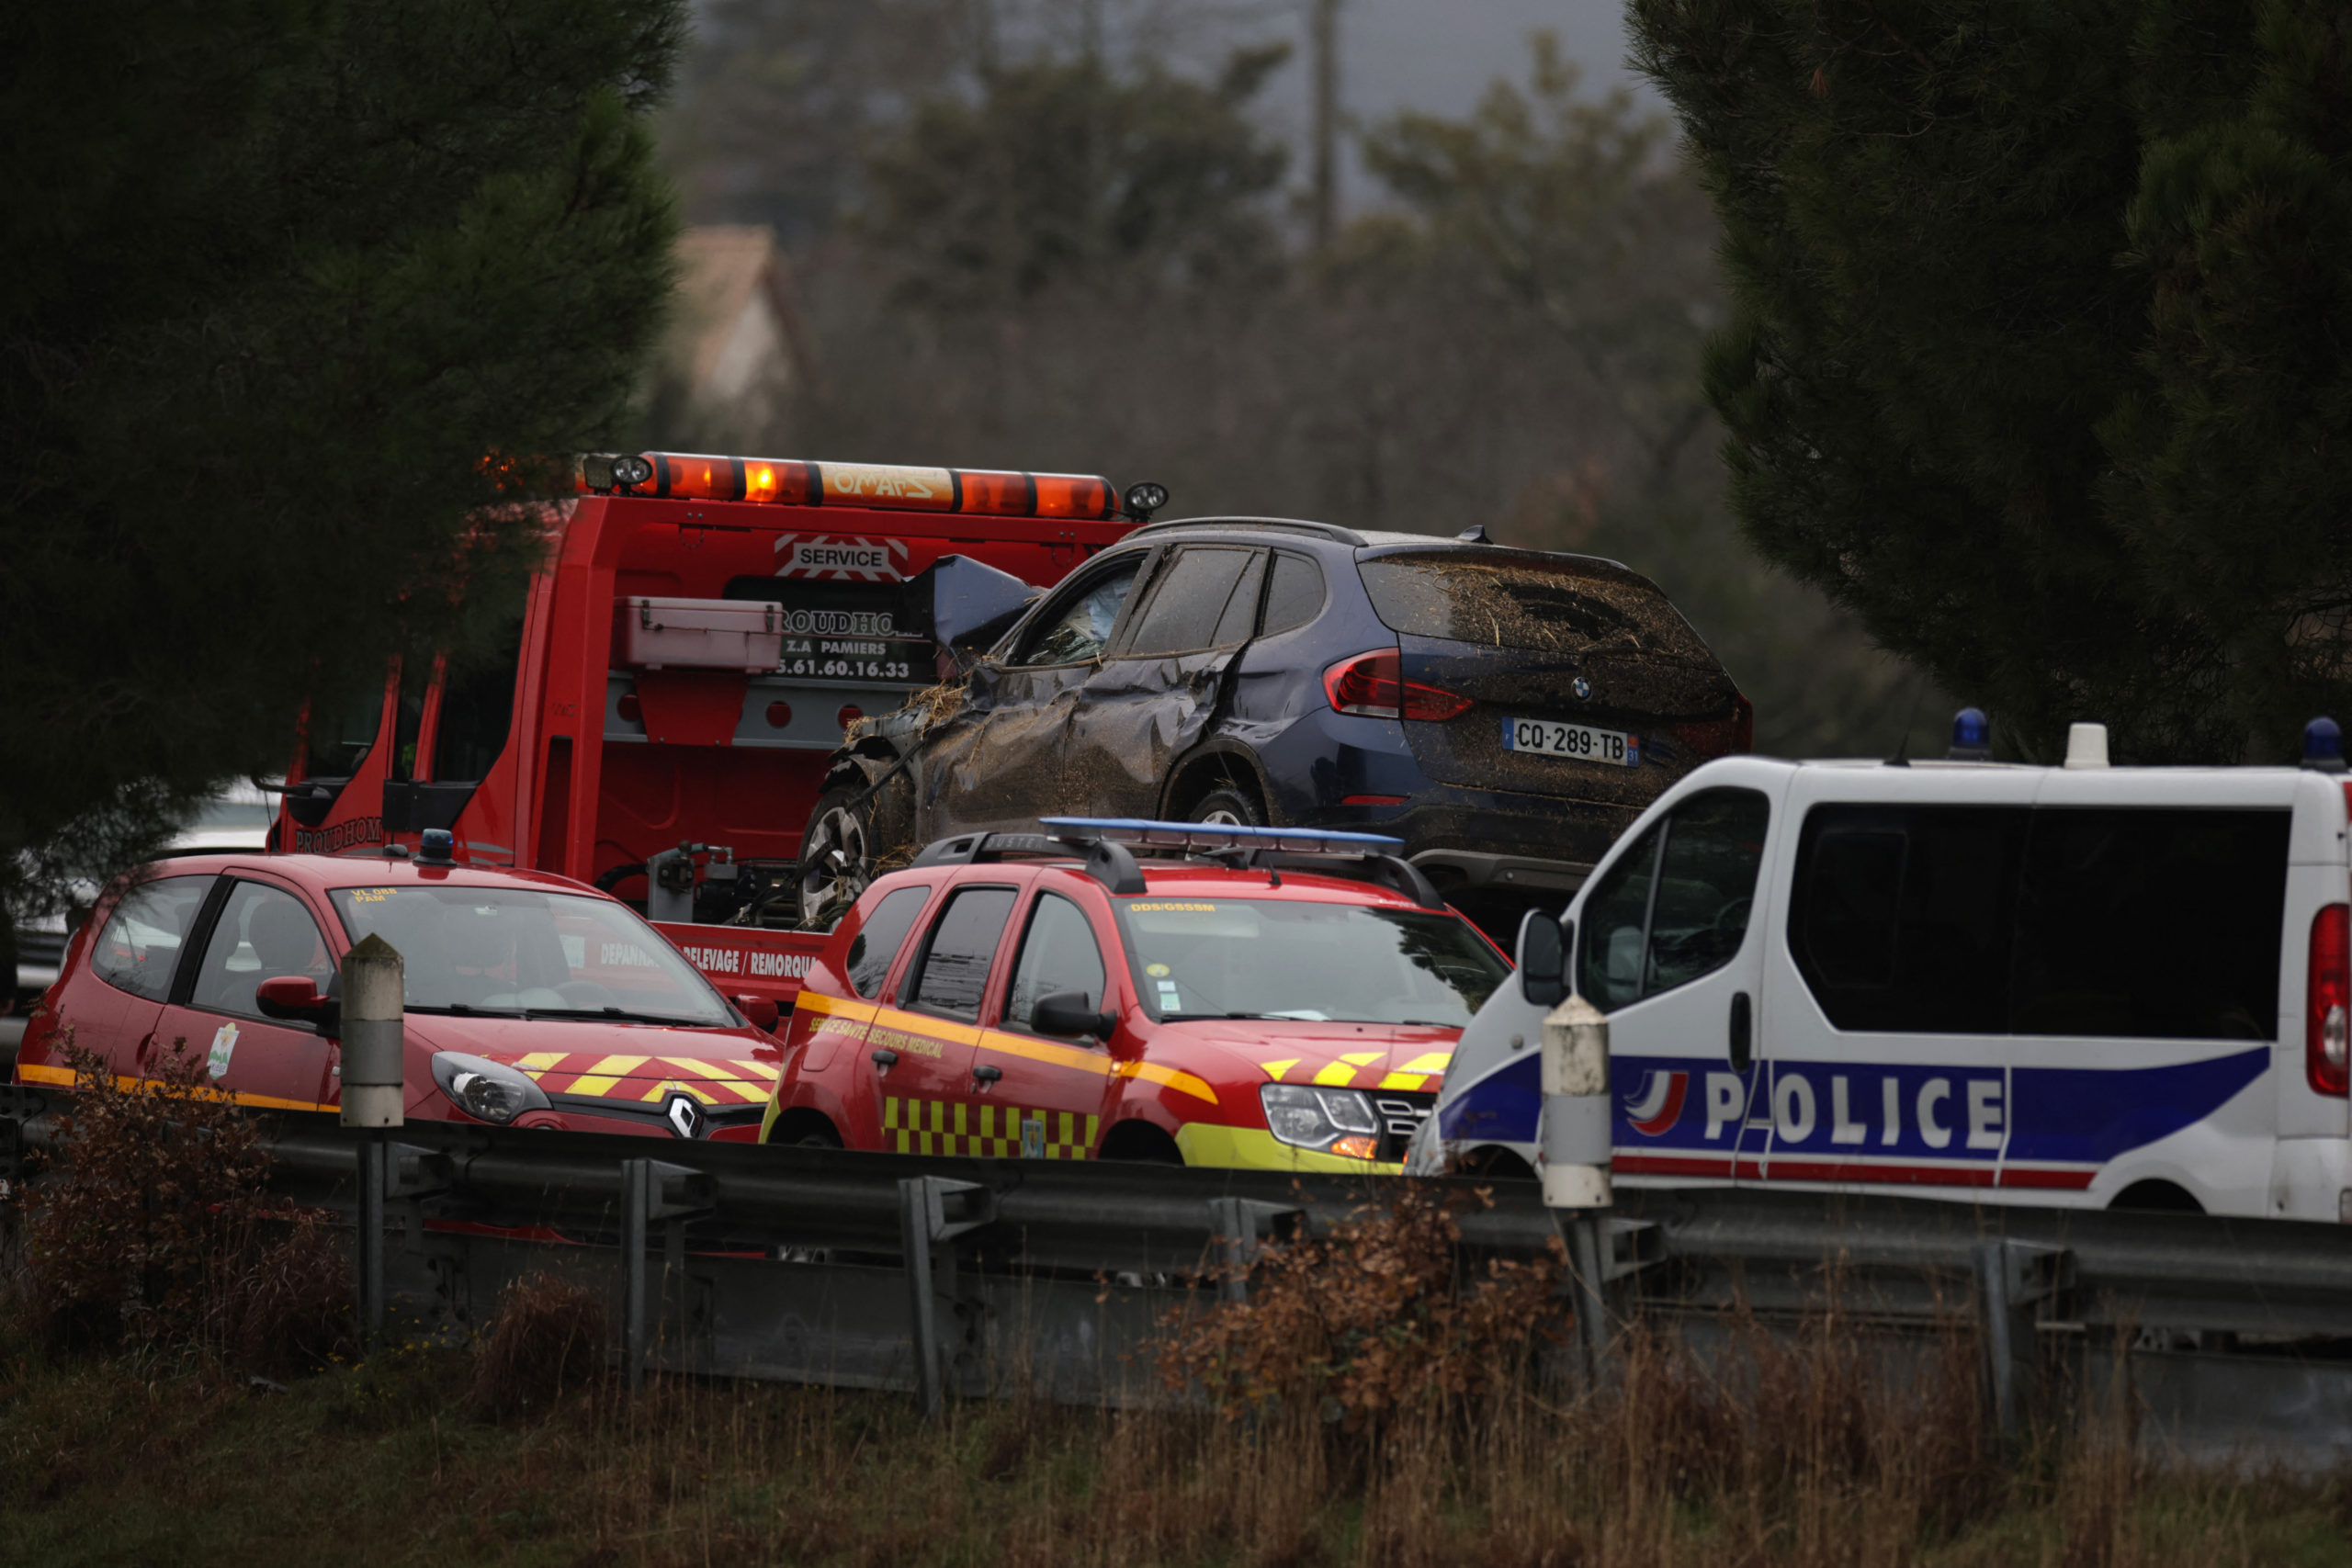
{"x":992,"y":1131}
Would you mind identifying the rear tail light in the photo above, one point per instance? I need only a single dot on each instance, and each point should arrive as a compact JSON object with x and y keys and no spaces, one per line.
{"x":1374,"y":685}
{"x":2327,"y":1003}
{"x":1720,"y":737}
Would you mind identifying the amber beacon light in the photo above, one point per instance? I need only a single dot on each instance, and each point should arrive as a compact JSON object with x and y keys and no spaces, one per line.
{"x":786,"y":482}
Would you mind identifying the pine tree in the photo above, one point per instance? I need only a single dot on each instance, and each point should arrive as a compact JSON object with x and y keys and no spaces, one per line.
{"x":302,"y":297}
{"x":2037,"y":359}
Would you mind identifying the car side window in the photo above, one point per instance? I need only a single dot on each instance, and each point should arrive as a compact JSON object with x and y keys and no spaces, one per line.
{"x":954,"y":971}
{"x":1076,"y":627}
{"x":1676,"y":906}
{"x":140,"y":945}
{"x":1188,"y":603}
{"x":1058,"y":954}
{"x":878,"y":940}
{"x":1295,"y":596}
{"x":262,"y":932}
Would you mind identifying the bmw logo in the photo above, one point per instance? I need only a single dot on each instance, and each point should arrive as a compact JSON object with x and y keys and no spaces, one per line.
{"x":1581,"y":687}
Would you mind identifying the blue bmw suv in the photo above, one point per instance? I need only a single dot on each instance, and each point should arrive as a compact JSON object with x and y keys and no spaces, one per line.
{"x":1505,"y":711}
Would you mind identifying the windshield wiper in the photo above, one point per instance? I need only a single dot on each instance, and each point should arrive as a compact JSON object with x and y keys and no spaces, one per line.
{"x":622,"y":1014}
{"x":463,"y":1010}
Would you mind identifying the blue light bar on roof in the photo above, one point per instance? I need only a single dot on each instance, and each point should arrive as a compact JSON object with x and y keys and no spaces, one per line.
{"x":1222,"y":836}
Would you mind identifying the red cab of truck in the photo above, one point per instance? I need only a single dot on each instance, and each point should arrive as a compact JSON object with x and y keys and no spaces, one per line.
{"x":705,"y":631}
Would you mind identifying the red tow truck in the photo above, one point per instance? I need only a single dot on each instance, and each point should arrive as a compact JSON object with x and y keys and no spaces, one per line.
{"x":704,"y":633}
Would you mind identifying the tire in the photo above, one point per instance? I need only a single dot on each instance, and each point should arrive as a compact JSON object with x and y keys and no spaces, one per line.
{"x":1228,"y":808}
{"x":837,"y":855}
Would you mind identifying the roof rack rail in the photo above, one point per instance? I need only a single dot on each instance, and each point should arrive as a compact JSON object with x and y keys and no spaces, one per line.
{"x":1109,"y":863}
{"x":1327,"y":850}
{"x":1296,"y":525}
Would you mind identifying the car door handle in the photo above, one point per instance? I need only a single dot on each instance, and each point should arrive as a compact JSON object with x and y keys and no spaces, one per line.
{"x":885,"y":1058}
{"x":988,"y":1074}
{"x":1742,"y":1027}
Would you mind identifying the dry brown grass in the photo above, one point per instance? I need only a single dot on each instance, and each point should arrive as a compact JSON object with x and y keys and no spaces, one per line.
{"x":546,"y":1339}
{"x":157,"y":1228}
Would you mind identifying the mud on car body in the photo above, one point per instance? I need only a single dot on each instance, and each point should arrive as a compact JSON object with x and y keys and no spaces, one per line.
{"x":1505,"y":713}
{"x":531,"y":1000}
{"x":1208,"y":995}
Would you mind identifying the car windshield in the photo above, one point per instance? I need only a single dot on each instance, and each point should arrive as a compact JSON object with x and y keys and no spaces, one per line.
{"x":521,"y":953}
{"x":1198,"y":957}
{"x":1507,"y":601}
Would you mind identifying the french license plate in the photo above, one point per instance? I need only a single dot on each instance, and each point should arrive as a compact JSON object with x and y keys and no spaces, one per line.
{"x":1550,"y":737}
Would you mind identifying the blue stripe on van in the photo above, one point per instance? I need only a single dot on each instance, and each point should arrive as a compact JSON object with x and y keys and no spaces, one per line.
{"x":2056,"y":1115}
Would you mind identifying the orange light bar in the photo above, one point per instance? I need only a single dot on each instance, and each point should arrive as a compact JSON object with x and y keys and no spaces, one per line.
{"x":681,"y":476}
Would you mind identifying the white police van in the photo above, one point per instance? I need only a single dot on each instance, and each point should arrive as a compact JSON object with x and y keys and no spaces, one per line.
{"x":2083,"y":985}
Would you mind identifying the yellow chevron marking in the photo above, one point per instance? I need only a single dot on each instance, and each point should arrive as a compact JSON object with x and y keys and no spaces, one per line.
{"x":1428,"y":1061}
{"x":620,"y":1066}
{"x":540,"y":1061}
{"x":1403,"y":1080}
{"x":1275,"y":1070}
{"x":591,"y":1085}
{"x":1341,"y":1073}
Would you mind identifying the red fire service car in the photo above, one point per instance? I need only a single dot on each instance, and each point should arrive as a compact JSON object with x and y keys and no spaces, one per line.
{"x":531,"y":1000}
{"x":1171,"y":991}
{"x":704,"y":634}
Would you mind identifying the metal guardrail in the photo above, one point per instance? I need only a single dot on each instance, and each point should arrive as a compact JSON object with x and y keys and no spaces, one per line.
{"x":938,"y":1275}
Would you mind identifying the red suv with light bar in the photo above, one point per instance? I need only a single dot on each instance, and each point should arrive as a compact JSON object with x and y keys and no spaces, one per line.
{"x":706,"y":631}
{"x":531,"y":1000}
{"x":1186,"y":993}
{"x":1505,"y":713}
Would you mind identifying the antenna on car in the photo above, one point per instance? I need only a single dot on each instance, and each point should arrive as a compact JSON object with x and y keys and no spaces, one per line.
{"x":1473,"y":535}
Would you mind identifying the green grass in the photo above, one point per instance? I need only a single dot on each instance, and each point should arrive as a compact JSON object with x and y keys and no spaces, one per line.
{"x":130,"y":1460}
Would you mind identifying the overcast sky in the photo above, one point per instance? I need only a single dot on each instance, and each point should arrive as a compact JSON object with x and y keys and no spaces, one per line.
{"x":1439,"y":55}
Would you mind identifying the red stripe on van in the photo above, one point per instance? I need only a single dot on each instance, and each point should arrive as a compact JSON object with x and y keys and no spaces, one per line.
{"x":1669,"y":1165}
{"x":2069,"y":1180}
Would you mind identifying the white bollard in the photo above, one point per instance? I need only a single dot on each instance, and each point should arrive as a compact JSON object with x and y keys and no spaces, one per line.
{"x":1576,"y":1136}
{"x":373,"y":1086}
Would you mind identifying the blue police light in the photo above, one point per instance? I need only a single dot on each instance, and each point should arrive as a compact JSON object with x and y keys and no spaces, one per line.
{"x":435,"y":846}
{"x":1220,"y":836}
{"x":1971,"y":736}
{"x":2323,"y":746}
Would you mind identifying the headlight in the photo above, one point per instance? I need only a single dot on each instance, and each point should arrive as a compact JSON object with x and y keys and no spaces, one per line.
{"x":1336,"y":1120}
{"x":491,"y":1091}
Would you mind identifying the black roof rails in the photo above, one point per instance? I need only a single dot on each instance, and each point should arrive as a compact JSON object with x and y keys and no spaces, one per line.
{"x":1107,"y":863}
{"x":1390,"y":871}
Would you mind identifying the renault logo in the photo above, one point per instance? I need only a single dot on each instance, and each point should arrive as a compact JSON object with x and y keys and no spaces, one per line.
{"x":686,"y":1115}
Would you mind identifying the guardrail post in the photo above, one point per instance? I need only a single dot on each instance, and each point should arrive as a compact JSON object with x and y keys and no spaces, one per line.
{"x":371,"y":1097}
{"x":1240,"y":1223}
{"x":2011,"y":1277}
{"x":1575,"y":1155}
{"x":652,"y":1189}
{"x":923,"y":1221}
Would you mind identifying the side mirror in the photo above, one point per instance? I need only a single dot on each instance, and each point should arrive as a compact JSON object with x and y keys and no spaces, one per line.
{"x":760,"y":1011}
{"x":1542,"y":957}
{"x":1066,"y":1014}
{"x":296,"y":998}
